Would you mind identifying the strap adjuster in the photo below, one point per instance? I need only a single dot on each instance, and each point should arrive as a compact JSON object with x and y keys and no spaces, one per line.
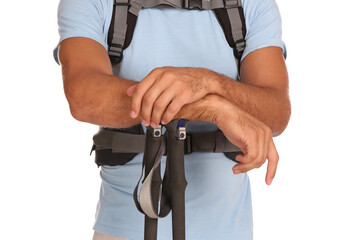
{"x":193,"y":4}
{"x":239,"y":48}
{"x":115,"y":53}
{"x":231,"y":4}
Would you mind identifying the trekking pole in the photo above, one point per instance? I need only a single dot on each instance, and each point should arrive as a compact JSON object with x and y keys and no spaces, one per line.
{"x":152,"y":146}
{"x":176,"y":134}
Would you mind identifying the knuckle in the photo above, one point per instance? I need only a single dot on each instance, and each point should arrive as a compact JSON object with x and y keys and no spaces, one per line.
{"x":168,"y":75}
{"x":252,"y":155}
{"x":156,"y":71}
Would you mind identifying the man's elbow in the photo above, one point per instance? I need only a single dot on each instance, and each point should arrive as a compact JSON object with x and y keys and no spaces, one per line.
{"x":76,"y":98}
{"x":283,"y":120}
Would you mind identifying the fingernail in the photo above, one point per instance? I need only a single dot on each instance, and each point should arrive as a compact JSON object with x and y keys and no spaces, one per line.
{"x":153,"y":125}
{"x":163,"y":122}
{"x":145,"y":123}
{"x":132,"y":114}
{"x":237,"y":171}
{"x":270,"y":181}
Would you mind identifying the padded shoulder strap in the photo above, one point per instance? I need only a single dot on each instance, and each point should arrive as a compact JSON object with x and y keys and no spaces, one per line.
{"x":120,"y":33}
{"x":232,"y":21}
{"x":229,"y":13}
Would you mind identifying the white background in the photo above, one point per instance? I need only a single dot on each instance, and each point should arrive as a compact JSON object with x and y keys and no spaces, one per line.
{"x":49,"y":185}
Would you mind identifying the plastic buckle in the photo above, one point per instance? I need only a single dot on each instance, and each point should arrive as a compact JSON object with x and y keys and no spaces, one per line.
{"x":116,"y":53}
{"x":193,"y":4}
{"x":240,"y":46}
{"x":121,"y":2}
{"x":231,"y":4}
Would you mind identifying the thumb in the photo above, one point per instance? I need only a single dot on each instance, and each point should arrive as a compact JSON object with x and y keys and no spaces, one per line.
{"x":130,"y":90}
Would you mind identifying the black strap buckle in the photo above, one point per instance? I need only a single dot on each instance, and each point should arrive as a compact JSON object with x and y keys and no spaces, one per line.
{"x":239,"y":48}
{"x":115,"y":53}
{"x":193,"y":4}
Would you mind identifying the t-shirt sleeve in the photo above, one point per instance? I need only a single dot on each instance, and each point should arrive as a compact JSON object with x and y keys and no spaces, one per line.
{"x":263,"y":23}
{"x":82,"y":18}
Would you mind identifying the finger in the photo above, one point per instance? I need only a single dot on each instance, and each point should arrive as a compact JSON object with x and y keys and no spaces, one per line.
{"x":256,"y":156}
{"x":242,"y":168}
{"x":273,"y":159}
{"x":253,"y":145}
{"x":160,"y":106}
{"x":173,"y":108}
{"x":148,"y":101}
{"x":140,"y":90}
{"x":130,"y":90}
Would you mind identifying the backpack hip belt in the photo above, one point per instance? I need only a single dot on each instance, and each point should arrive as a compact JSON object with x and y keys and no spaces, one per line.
{"x":118,"y":146}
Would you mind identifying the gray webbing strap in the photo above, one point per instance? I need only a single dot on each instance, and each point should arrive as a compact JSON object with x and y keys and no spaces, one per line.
{"x":120,"y":26}
{"x":145,"y":200}
{"x":235,"y":23}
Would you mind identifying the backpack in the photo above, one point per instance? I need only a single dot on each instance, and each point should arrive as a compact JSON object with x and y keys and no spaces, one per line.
{"x":229,"y":13}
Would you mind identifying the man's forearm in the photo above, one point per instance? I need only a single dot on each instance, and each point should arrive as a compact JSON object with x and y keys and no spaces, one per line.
{"x":269,"y":105}
{"x":100,"y":99}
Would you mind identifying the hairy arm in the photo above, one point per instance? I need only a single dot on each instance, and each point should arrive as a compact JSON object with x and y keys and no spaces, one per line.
{"x":263,"y":90}
{"x":93,"y":93}
{"x":96,"y":96}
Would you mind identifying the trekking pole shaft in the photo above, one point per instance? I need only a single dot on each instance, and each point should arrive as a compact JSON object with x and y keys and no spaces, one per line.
{"x":152,"y":146}
{"x":177,"y":185}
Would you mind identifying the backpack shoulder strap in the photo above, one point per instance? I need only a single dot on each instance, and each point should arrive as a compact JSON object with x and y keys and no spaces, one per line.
{"x":232,"y":21}
{"x":230,"y":16}
{"x":120,"y":32}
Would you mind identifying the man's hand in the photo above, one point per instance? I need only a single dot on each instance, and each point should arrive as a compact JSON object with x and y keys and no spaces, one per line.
{"x":160,"y":95}
{"x":253,"y":137}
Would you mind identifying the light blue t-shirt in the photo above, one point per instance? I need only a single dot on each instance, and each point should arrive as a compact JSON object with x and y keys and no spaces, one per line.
{"x":218,"y":203}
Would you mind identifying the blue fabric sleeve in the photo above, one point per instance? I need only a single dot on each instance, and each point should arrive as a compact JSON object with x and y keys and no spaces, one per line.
{"x":263,"y":23}
{"x":83,"y":18}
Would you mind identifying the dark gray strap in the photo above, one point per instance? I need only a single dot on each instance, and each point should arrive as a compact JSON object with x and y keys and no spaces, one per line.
{"x":236,"y":25}
{"x":119,"y":142}
{"x":120,"y":26}
{"x":187,"y":4}
{"x":211,"y":142}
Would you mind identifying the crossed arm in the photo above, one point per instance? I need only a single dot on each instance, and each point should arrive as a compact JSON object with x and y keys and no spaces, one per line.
{"x":248,"y":113}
